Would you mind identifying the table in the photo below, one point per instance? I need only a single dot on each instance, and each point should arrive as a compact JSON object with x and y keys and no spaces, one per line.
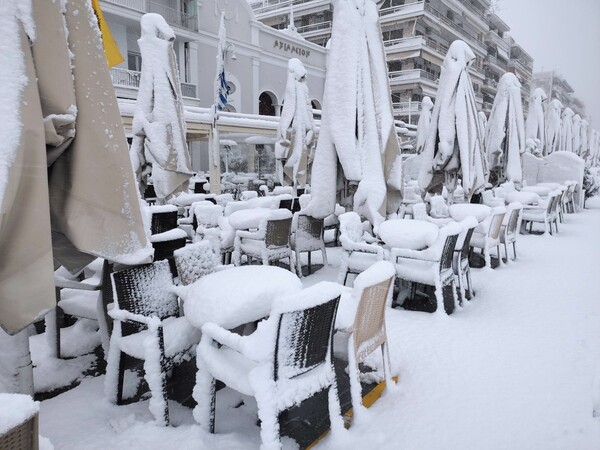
{"x":408,"y":233}
{"x":526,"y":198}
{"x":461,"y":211}
{"x":542,"y":191}
{"x":246,"y":219}
{"x":236,"y":296}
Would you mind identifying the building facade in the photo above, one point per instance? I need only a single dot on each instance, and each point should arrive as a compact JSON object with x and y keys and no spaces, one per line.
{"x":417,"y":34}
{"x":557,"y":87}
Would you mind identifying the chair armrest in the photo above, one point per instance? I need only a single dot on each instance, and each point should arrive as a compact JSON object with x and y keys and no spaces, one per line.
{"x":126,"y":316}
{"x":361,"y":247}
{"x":250,"y":234}
{"x":61,"y":282}
{"x":222,"y":336}
{"x":421,"y":255}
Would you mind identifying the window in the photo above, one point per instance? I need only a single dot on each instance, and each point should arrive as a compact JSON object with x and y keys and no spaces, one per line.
{"x":134,"y":61}
{"x":265,"y":105}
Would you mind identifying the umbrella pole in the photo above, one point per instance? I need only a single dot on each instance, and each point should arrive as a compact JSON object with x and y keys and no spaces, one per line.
{"x":16,"y":376}
{"x":214,"y":160}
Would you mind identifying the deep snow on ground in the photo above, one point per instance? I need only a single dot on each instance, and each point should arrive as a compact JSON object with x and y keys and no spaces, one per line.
{"x":518,"y":367}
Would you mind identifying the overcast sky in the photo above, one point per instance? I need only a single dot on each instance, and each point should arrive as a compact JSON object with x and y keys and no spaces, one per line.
{"x":563,"y":36}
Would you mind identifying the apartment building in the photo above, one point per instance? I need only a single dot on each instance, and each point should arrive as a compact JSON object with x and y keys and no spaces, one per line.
{"x":557,"y":87}
{"x":417,"y":34}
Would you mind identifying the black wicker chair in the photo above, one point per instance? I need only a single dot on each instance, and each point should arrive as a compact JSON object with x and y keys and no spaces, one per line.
{"x":308,"y":237}
{"x":461,"y":266}
{"x":163,"y":221}
{"x":286,"y":203}
{"x":298,"y":366}
{"x":146,"y":314}
{"x":509,"y":232}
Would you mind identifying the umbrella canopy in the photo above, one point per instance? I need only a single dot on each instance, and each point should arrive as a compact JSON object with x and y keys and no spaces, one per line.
{"x":585,"y":142}
{"x":553,"y":126}
{"x":423,"y":124}
{"x":357,"y":124}
{"x":159,"y":141}
{"x":65,"y":165}
{"x":566,"y":130}
{"x":505,"y":132}
{"x":454,"y":143}
{"x":577,"y":134}
{"x":482,"y":123}
{"x":296,"y":131}
{"x":535,"y":134}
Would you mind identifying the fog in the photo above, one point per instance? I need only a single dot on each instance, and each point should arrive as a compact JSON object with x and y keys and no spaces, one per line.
{"x":561,"y":36}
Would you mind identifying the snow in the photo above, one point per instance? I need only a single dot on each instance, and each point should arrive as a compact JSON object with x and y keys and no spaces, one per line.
{"x":170,"y":235}
{"x":15,"y":409}
{"x":461,"y":211}
{"x":535,"y":125}
{"x":246,"y":219}
{"x":553,"y":127}
{"x":411,"y":234}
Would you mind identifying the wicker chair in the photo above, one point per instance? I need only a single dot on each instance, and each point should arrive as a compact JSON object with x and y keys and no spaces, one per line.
{"x":307,"y":237}
{"x":359,"y":248}
{"x":286,"y":203}
{"x":86,"y":299}
{"x":570,"y":199}
{"x":147,"y":326}
{"x":286,"y":360}
{"x":372,"y":290}
{"x":271,"y":242}
{"x":547,"y":214}
{"x":487,"y":235}
{"x":194,"y":261}
{"x":213,"y":226}
{"x":432,"y":266}
{"x":164,"y":218}
{"x":460,"y":263}
{"x":510,"y":229}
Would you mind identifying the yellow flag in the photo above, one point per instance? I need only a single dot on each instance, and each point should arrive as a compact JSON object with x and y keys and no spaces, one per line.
{"x":111,"y":50}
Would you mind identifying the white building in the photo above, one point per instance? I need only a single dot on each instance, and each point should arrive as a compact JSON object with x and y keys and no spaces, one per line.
{"x":256,"y":63}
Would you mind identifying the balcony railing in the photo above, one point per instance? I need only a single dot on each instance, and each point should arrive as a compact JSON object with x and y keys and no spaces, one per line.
{"x":412,"y":75}
{"x":407,"y":108}
{"x":172,"y":16}
{"x":314,"y":27}
{"x":131,"y":79}
{"x":265,"y":6}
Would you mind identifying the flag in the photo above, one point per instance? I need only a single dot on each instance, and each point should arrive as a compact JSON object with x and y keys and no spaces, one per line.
{"x":111,"y":50}
{"x":221,"y":87}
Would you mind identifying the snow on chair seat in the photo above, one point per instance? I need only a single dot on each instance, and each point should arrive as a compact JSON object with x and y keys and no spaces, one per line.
{"x":487,"y":234}
{"x":307,"y":237}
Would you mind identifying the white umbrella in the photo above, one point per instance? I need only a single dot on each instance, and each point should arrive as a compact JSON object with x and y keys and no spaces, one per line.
{"x":577,"y":134}
{"x":535,"y":133}
{"x":566,"y":130}
{"x":423,"y":123}
{"x":454,"y":143}
{"x":553,"y":125}
{"x":483,"y":120}
{"x":296,"y":131}
{"x":158,"y":122}
{"x":358,"y":122}
{"x":585,"y":136}
{"x":505,"y":133}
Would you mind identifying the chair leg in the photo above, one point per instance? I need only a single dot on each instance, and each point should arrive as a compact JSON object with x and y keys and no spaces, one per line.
{"x":514,"y":244}
{"x":309,"y":262}
{"x":205,"y":395}
{"x":298,"y":264}
{"x":345,"y":278}
{"x":121,"y":378}
{"x":156,"y":377}
{"x":469,"y":293}
{"x":324,"y":253}
{"x":269,"y":423}
{"x":505,"y":250}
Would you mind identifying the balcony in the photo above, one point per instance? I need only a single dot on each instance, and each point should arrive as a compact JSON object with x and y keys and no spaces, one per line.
{"x":407,"y":108}
{"x":493,"y":38}
{"x":172,"y":16}
{"x":264,"y":7}
{"x":313,"y":28}
{"x":490,"y":85}
{"x":412,"y":76}
{"x":131,"y":79}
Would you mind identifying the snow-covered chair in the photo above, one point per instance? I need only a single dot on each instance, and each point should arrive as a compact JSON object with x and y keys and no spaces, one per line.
{"x":195,"y":260}
{"x":213,"y":226}
{"x":432,"y":266}
{"x":248,"y":195}
{"x":88,"y":299}
{"x":163,"y":218}
{"x":510,"y":227}
{"x":460,"y":263}
{"x":147,"y":326}
{"x":366,"y":325}
{"x":271,"y":242}
{"x":360,"y":250}
{"x":487,"y":234}
{"x":223,"y":199}
{"x":286,"y":360}
{"x":166,"y":243}
{"x":281,"y":190}
{"x":545,"y":213}
{"x":570,"y":199}
{"x":307,"y":236}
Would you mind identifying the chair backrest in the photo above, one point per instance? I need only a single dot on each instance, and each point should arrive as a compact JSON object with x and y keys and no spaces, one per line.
{"x":448,"y":251}
{"x":304,"y":339}
{"x":369,"y":322}
{"x":199,"y":187}
{"x":350,"y":227}
{"x":513,"y":221}
{"x":194,"y":261}
{"x":145,"y":290}
{"x":278,"y":233}
{"x":466,"y":247}
{"x":496,"y":225}
{"x":208,"y":215}
{"x":247,"y":195}
{"x":286,"y":204}
{"x":309,"y":228}
{"x":163,"y":221}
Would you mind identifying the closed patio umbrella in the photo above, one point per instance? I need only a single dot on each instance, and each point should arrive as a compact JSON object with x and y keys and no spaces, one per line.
{"x":577,"y":134}
{"x":566,"y":130}
{"x":585,"y":139}
{"x":535,"y":125}
{"x":505,"y":133}
{"x":423,"y":123}
{"x":65,"y":165}
{"x":357,"y":126}
{"x":454,"y":145}
{"x":296,"y":131}
{"x":553,"y":126}
{"x":158,"y":122}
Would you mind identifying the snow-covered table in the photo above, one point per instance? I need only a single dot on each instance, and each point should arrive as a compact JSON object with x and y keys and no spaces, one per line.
{"x":408,"y":233}
{"x":236,"y":296}
{"x":186,"y":198}
{"x":246,"y":219}
{"x":523,"y":197}
{"x":542,"y":191}
{"x":461,"y":211}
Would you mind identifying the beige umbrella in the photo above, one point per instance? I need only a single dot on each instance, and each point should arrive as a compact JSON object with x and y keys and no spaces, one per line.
{"x":66,"y":160}
{"x":158,"y":123}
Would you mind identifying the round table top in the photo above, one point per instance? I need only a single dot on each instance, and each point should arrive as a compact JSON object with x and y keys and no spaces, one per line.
{"x":408,"y":233}
{"x":245,"y":219}
{"x":539,"y":190}
{"x":461,"y":211}
{"x":526,"y":198}
{"x":237,"y":295}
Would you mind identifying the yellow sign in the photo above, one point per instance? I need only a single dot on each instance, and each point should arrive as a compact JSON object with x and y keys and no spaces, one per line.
{"x":111,"y":50}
